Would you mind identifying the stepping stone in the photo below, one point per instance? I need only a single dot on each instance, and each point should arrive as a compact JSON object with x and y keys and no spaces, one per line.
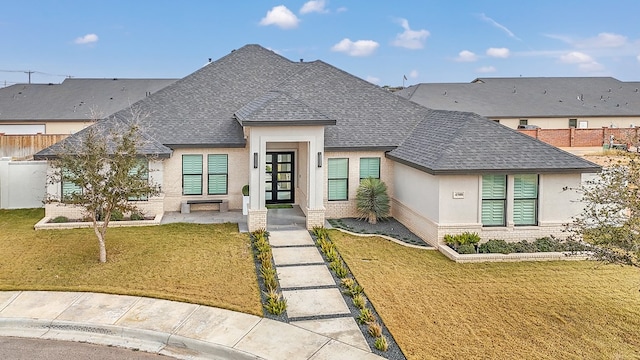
{"x":290,"y":237}
{"x":314,"y":302}
{"x":296,"y":256}
{"x":344,"y":329}
{"x":304,"y":276}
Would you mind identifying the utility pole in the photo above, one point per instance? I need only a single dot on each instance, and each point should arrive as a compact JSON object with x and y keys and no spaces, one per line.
{"x":29,"y":73}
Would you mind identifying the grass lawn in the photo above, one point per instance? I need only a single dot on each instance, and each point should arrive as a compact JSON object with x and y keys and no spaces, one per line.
{"x":437,"y":309}
{"x":203,"y":264}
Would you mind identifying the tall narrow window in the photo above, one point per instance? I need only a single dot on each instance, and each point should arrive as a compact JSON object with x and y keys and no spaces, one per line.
{"x":525,"y":199}
{"x":68,"y":187}
{"x":141,"y":168}
{"x":218,"y":174}
{"x":192,"y":174}
{"x":494,"y":200}
{"x":338,"y":179}
{"x":369,"y":167}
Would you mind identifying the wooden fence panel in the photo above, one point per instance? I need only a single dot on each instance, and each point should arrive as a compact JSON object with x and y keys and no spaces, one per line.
{"x":24,"y":146}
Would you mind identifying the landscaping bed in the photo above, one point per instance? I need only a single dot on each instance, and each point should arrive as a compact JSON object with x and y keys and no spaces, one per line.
{"x":387,"y":226}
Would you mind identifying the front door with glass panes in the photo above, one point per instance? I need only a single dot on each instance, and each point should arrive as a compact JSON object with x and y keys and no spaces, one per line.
{"x":279,"y":178}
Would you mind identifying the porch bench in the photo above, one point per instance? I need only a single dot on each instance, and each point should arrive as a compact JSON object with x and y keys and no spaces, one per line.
{"x":185,"y":208}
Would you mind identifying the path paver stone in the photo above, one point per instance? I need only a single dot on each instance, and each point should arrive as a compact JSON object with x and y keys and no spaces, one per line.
{"x":304,"y":276}
{"x":314,"y":302}
{"x":296,"y":256}
{"x":290,"y":238}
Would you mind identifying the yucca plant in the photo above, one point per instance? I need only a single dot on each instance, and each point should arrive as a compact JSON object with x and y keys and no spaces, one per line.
{"x":372,"y":200}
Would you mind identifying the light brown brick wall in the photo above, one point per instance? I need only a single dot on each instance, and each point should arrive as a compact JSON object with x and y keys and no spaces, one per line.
{"x":339,"y":209}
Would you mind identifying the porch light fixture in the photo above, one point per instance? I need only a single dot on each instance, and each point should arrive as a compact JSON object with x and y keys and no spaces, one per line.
{"x":255,"y":160}
{"x":319,"y":159}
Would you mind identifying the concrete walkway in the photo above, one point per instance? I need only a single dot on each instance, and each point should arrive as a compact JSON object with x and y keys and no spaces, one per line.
{"x":314,"y":300}
{"x":180,"y":330}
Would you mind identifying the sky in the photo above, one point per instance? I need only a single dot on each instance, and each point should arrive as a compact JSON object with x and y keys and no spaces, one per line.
{"x":386,"y":42}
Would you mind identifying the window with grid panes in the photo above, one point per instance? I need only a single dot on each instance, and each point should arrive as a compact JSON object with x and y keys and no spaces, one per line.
{"x":68,"y":187}
{"x":143,"y":168}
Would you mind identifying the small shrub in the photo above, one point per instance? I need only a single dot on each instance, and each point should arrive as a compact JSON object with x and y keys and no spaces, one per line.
{"x":116,"y":216}
{"x":366,"y":316}
{"x":354,"y":290}
{"x":372,"y":200}
{"x":466,"y":238}
{"x":523,"y":247}
{"x":135,"y":216}
{"x":381,"y":343}
{"x":547,"y":244}
{"x":325,"y":245}
{"x":375,"y":330}
{"x":245,"y":190}
{"x":338,"y":267}
{"x":466,"y":249}
{"x":264,"y":257}
{"x":260,"y":233}
{"x":320,"y":232}
{"x":269,"y":278}
{"x":575,"y":246}
{"x":60,"y":219}
{"x":359,"y":301}
{"x":494,"y":246}
{"x":331,"y":254}
{"x":275,"y":303}
{"x":347,"y":282}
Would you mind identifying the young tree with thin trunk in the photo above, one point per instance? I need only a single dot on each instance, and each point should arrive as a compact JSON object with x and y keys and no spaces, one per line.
{"x":107,"y":170}
{"x":610,"y":219}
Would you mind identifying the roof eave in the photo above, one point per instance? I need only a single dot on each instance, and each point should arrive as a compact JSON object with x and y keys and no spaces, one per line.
{"x":288,"y":123}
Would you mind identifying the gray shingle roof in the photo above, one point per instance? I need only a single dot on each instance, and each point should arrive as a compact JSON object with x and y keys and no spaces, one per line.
{"x":453,"y":142}
{"x":532,"y":97}
{"x":147,"y":145}
{"x":253,"y":84}
{"x":277,"y":108}
{"x":73,"y":99}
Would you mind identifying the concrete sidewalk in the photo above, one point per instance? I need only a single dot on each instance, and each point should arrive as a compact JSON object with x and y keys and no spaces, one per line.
{"x":180,"y":330}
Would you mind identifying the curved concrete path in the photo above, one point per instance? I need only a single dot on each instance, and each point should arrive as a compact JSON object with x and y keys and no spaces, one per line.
{"x":180,"y":330}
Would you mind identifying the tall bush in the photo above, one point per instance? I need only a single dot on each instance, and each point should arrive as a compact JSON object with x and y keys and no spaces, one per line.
{"x":372,"y":200}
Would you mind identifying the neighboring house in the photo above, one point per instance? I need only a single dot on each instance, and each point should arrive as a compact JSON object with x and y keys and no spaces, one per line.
{"x":545,"y":102}
{"x":65,"y":108}
{"x":305,"y":133}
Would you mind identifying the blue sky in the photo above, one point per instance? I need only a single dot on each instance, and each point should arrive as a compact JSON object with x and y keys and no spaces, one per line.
{"x":380,"y":41}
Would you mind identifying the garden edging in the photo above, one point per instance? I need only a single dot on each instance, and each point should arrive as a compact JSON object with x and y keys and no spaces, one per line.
{"x":538,"y":256}
{"x":45,"y":223}
{"x":387,"y":238}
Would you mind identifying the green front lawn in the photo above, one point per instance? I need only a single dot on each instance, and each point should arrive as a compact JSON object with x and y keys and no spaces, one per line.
{"x":438,"y":309}
{"x":204,"y":264}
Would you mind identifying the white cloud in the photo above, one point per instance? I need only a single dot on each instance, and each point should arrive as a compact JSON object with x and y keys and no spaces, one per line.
{"x":603,"y":40}
{"x":410,"y":39}
{"x":314,"y":6}
{"x":356,"y":48}
{"x":466,"y":56}
{"x":281,"y":17}
{"x":373,"y":79}
{"x":498,"y":52}
{"x":413,"y":74}
{"x":87,"y":39}
{"x":575,"y":57}
{"x":638,"y":58}
{"x":499,"y":26}
{"x":584,"y":61}
{"x":486,"y":69}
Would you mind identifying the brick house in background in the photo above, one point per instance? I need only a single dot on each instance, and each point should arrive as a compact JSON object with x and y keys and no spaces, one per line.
{"x":305,"y":133}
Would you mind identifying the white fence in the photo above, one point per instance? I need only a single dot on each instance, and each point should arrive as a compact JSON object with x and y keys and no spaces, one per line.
{"x":22,"y":184}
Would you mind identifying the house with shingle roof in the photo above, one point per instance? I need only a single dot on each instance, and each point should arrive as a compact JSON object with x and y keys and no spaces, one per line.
{"x":546,"y":102}
{"x":67,"y":107}
{"x":306,"y":133}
